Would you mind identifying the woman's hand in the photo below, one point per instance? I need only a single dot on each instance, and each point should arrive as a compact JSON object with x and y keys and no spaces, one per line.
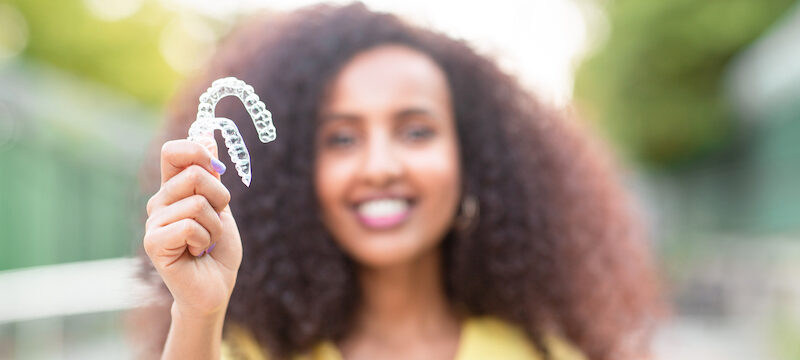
{"x":188,"y":215}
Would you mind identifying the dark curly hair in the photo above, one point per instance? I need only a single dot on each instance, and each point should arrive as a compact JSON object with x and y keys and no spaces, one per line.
{"x":555,"y":250}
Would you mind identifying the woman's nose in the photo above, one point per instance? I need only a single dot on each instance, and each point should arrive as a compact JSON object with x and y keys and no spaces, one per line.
{"x":381,"y":164}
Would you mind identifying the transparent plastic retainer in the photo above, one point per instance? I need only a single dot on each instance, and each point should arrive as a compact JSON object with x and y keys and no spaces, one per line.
{"x":206,"y":122}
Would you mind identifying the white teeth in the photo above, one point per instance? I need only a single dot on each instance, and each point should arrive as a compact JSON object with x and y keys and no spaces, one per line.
{"x":382,"y":207}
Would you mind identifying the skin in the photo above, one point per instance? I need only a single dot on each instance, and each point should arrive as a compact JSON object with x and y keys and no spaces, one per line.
{"x":386,"y":129}
{"x":188,"y":214}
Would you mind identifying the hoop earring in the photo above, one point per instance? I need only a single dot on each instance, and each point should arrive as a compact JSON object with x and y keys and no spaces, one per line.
{"x":468,"y":214}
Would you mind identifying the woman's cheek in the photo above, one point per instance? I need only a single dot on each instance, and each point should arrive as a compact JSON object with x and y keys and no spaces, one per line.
{"x":332,"y":178}
{"x":437,"y":171}
{"x":438,"y":166}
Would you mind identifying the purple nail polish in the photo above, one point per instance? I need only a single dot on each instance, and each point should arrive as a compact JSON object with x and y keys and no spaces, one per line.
{"x":208,"y":251}
{"x":218,"y":166}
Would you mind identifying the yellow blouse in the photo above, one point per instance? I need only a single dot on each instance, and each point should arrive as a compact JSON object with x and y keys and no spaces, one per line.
{"x":481,"y":338}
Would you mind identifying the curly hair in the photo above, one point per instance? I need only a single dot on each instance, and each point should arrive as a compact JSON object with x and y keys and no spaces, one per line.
{"x":556,"y":249}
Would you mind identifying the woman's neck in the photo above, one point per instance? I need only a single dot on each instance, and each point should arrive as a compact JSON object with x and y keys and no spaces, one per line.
{"x":405,"y":304}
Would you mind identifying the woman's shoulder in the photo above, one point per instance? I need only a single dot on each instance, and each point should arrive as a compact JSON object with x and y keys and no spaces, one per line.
{"x":239,"y":344}
{"x":483,"y":337}
{"x":487,"y":337}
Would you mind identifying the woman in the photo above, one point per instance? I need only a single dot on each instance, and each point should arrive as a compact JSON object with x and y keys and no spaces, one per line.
{"x":416,"y":204}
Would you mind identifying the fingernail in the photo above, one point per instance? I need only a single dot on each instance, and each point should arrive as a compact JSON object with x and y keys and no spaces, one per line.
{"x":218,"y":166}
{"x":202,"y":253}
{"x":208,"y":251}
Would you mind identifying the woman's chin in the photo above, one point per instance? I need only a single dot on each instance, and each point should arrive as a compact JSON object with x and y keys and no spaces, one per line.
{"x":387,"y":251}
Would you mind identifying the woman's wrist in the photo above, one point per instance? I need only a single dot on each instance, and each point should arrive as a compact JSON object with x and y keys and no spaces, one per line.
{"x":182,"y":313}
{"x":194,"y":335}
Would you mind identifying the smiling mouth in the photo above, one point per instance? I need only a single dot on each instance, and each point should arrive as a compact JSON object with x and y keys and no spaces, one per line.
{"x":383,"y":213}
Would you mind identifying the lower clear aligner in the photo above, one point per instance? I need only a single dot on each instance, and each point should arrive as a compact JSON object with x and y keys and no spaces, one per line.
{"x":206,"y":122}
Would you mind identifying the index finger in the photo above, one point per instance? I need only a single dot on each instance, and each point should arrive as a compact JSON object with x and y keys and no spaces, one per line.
{"x":177,"y":155}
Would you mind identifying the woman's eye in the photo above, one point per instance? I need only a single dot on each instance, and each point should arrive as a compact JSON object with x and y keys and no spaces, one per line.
{"x":339,"y":140}
{"x":418,"y":133}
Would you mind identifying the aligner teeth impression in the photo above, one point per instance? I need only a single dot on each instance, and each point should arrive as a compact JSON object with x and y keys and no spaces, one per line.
{"x":206,"y":122}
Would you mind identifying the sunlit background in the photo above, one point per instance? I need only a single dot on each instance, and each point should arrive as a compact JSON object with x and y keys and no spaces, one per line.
{"x":700,"y":100}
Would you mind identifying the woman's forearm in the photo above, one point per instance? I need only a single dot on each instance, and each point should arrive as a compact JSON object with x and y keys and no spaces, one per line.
{"x":194,"y":337}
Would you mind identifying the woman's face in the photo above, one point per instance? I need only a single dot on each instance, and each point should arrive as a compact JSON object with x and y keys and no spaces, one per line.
{"x":387,"y":164}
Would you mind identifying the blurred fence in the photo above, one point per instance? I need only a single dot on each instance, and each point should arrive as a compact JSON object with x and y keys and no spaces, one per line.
{"x":69,"y":155}
{"x":70,"y":151}
{"x":71,"y":311}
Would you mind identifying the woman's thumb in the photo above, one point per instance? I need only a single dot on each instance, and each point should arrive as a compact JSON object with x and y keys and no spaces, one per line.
{"x":211,"y":146}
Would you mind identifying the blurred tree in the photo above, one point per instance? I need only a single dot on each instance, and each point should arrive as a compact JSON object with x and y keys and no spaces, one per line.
{"x":656,"y":86}
{"x":123,"y":54}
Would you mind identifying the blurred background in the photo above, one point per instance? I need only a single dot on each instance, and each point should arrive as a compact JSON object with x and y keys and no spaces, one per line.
{"x":700,"y":100}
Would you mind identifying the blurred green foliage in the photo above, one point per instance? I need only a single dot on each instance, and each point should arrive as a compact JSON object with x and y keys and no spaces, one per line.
{"x":122,"y":54}
{"x":656,"y":86}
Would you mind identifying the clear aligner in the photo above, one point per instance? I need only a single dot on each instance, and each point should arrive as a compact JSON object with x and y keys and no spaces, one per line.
{"x":206,"y":122}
